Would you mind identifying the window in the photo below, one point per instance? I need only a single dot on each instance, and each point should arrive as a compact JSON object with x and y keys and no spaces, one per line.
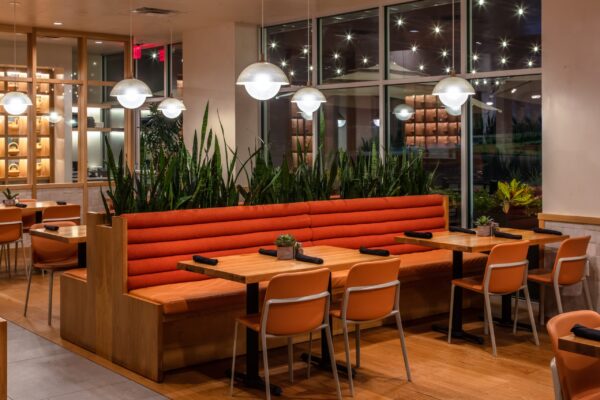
{"x":420,"y":39}
{"x":349,"y":47}
{"x":288,"y":46}
{"x":150,"y":66}
{"x":177,"y":70}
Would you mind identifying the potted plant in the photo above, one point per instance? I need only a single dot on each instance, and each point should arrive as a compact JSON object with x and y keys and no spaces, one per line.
{"x":519,"y":204}
{"x":10,"y":197}
{"x":484,"y":226}
{"x":286,"y":245}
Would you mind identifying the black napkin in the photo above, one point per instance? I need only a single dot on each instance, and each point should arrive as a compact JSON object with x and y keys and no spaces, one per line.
{"x":21,"y":205}
{"x":421,"y":235}
{"x":506,"y":235}
{"x":309,"y":259}
{"x":547,"y":231}
{"x":61,"y":203}
{"x":51,"y":227}
{"x":205,"y":260}
{"x":461,"y":230}
{"x":585,"y":332}
{"x":272,"y":253}
{"x":374,"y":252}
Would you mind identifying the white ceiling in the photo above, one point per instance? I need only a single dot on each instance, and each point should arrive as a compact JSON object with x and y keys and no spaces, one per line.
{"x":112,"y":16}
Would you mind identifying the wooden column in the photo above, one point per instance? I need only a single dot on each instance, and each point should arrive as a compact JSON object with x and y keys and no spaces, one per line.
{"x":3,"y":359}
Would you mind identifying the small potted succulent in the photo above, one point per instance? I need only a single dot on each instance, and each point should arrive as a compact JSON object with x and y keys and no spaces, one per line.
{"x":484,"y":226}
{"x":10,"y":198}
{"x":286,"y":245}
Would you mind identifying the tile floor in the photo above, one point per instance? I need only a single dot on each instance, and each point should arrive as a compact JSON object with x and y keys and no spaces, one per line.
{"x":38,"y":369}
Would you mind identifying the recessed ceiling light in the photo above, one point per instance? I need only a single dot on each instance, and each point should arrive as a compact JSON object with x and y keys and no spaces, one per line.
{"x":513,"y":90}
{"x":57,"y":23}
{"x":490,"y":103}
{"x":98,"y":42}
{"x":536,"y":96}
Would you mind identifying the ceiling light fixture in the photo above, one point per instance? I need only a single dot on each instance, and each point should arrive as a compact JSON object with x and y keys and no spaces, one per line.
{"x":171,"y":107}
{"x":15,"y":103}
{"x":57,"y":23}
{"x":403,"y":112}
{"x":262,"y":80}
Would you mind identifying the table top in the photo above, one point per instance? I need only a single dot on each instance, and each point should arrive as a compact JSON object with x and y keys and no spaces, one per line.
{"x":574,"y":344}
{"x":33,"y":205}
{"x":65,"y":234}
{"x":255,"y":267}
{"x":465,"y":242}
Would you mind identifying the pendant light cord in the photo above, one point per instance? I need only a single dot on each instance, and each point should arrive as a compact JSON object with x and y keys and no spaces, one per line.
{"x":262,"y":31}
{"x":308,"y":41}
{"x":453,"y":26}
{"x":171,"y":57}
{"x":15,"y":37}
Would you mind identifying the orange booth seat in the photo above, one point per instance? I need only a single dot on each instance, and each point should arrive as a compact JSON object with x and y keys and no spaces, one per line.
{"x":147,"y":247}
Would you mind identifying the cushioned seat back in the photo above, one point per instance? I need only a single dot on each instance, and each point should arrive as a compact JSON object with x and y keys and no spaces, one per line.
{"x":375,"y":222}
{"x":158,"y":241}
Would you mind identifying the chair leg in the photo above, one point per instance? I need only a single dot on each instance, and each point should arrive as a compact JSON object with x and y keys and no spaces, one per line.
{"x":348,"y":363}
{"x":50,"y":289}
{"x":542,"y":310}
{"x":16,"y":254}
{"x":357,"y":345}
{"x":558,"y":299}
{"x":490,"y":321}
{"x":486,"y":327}
{"x":588,"y":297}
{"x":403,"y":344}
{"x":27,"y":295}
{"x":309,"y":355}
{"x":266,"y":365}
{"x":7,"y":259}
{"x":23,"y":253}
{"x":291,"y":359}
{"x":451,"y":313}
{"x":516,"y":316}
{"x":333,"y":364}
{"x":233,"y":357}
{"x":531,"y":317}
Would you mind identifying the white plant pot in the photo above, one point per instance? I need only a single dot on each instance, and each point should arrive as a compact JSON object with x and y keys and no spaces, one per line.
{"x":484,"y":230}
{"x":285,"y":253}
{"x":10,"y":202}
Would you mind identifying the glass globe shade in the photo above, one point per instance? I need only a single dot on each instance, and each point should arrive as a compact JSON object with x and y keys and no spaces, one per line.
{"x":308,"y":99}
{"x":307,"y":117}
{"x":171,"y":108}
{"x":454,"y":111}
{"x":404,"y":112}
{"x":54,"y":117}
{"x":341,"y":123}
{"x":376,"y":122}
{"x":453,"y":91}
{"x":15,"y":103}
{"x":262,"y":80}
{"x":131,"y":93}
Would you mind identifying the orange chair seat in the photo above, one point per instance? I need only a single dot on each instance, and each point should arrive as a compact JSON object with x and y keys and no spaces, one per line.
{"x":474,"y":283}
{"x":251,"y":321}
{"x":425,"y":265}
{"x":57,"y":265}
{"x":540,"y":276}
{"x":79,"y":273}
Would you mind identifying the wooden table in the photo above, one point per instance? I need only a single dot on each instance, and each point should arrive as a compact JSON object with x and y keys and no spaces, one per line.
{"x":250,"y":269}
{"x":34,"y":206}
{"x":67,"y":234}
{"x":579,"y":345}
{"x":464,"y":242}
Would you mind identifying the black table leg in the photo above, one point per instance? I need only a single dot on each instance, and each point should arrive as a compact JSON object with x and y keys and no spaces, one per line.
{"x":81,"y":255}
{"x":252,"y":378}
{"x":38,"y":217}
{"x":457,"y":314}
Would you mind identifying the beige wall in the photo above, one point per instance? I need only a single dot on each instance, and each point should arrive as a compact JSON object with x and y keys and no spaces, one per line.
{"x":570,"y":107}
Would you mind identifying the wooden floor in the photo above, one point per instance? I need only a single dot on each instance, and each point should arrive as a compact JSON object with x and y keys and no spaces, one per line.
{"x":439,"y":370}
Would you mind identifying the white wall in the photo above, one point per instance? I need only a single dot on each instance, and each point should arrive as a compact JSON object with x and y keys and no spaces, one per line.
{"x":570,"y":107}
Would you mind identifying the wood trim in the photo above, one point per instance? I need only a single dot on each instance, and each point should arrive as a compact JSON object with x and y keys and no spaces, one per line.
{"x":573,"y":219}
{"x":20,"y":28}
{"x":446,"y":205}
{"x":101,"y":83}
{"x":32,"y":120}
{"x":78,"y":185}
{"x":76,"y":34}
{"x":3,"y":359}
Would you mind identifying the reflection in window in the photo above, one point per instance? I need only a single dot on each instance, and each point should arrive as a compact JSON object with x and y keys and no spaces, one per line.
{"x":507,"y":138}
{"x":177,"y":71}
{"x":287,"y":46}
{"x":350,"y":47}
{"x":419,"y":122}
{"x":505,"y":35}
{"x":420,"y":39}
{"x":150,"y":66}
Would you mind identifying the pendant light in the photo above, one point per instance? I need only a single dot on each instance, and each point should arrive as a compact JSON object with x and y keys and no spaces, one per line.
{"x":453,"y":111}
{"x":262,"y":80}
{"x":131,"y":93}
{"x":171,"y":107}
{"x":308,"y":99}
{"x":453,"y":91}
{"x":403,"y":112}
{"x":15,"y":103}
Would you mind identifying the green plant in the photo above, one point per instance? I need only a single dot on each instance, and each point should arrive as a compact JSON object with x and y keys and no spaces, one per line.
{"x":484,"y":220}
{"x":285,"y":240}
{"x":161,"y":133}
{"x":514,"y":194}
{"x":10,"y":195}
{"x":484,"y":202}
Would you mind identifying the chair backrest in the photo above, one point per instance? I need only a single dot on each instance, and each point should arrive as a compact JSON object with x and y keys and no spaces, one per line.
{"x":577,"y":373}
{"x":11,"y":225}
{"x":296,"y":302}
{"x":506,"y":269}
{"x":47,"y":250}
{"x":69,"y":212}
{"x":371,"y":290}
{"x":571,"y":271}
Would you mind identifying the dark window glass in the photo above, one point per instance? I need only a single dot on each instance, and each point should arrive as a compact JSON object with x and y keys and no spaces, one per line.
{"x":350,"y":47}
{"x":507,"y":145}
{"x":505,"y":35}
{"x":420,"y":39}
{"x":151,"y":68}
{"x":288,"y":47}
{"x":177,"y":70}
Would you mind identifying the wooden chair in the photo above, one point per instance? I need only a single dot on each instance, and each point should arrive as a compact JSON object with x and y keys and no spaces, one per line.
{"x":11,"y":231}
{"x":28,"y":215}
{"x":295,"y":304}
{"x":571,"y":267}
{"x":372,"y":293}
{"x":575,"y":376}
{"x":505,"y":273}
{"x":69,"y":212}
{"x":51,"y":256}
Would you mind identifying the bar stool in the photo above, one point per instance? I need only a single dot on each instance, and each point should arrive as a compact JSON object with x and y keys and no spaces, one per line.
{"x":11,"y":231}
{"x":51,"y":256}
{"x":505,"y":273}
{"x":575,"y":376}
{"x":295,"y":304}
{"x":372,"y":293}
{"x":571,"y":266}
{"x":69,"y":212}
